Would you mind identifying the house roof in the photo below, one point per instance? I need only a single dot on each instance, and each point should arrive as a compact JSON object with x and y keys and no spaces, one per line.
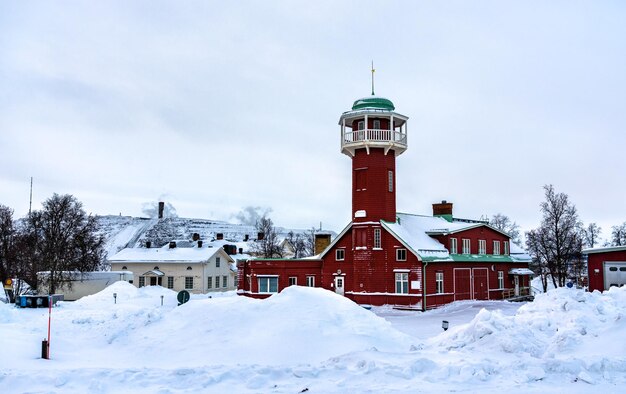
{"x":604,"y":250}
{"x":165,"y":254}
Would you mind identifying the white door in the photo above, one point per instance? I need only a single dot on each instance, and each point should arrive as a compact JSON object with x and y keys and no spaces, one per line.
{"x":516,"y":279}
{"x":339,"y":285}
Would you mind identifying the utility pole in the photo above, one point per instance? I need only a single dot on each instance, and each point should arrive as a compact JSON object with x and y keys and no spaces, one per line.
{"x":30,"y":204}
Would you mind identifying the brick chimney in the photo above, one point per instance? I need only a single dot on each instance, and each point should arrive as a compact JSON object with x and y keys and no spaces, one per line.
{"x":443,"y":210}
{"x":321,"y":242}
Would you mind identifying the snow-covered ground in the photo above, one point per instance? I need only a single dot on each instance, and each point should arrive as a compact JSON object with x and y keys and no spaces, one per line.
{"x":311,"y":340}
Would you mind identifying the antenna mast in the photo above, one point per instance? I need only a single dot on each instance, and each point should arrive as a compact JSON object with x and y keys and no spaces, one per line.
{"x":30,"y":204}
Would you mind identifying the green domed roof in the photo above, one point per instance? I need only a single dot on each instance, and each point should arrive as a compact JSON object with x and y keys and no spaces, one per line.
{"x":373,"y":102}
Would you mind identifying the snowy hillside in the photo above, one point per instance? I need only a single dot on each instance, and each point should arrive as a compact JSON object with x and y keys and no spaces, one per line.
{"x":312,"y":340}
{"x":129,"y":232}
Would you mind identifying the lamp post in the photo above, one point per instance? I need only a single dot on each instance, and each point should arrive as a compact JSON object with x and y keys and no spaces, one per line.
{"x":444,"y":325}
{"x":161,"y":300}
{"x":115,"y":298}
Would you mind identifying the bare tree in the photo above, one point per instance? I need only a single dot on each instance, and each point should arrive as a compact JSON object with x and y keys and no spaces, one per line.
{"x":556,"y":245}
{"x":591,"y":235}
{"x":309,"y":242}
{"x":506,"y":225}
{"x":66,"y":239}
{"x":268,"y":246}
{"x":297,"y":242}
{"x":618,"y":235}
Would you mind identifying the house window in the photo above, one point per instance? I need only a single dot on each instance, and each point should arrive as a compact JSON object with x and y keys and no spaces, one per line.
{"x":506,"y":248}
{"x":268,"y":284}
{"x":402,"y":282}
{"x":496,"y":247}
{"x":453,"y":246}
{"x":439,"y":282}
{"x":170,"y":282}
{"x":217,"y":282}
{"x":377,"y":238}
{"x":142,"y":281}
{"x":225,"y":281}
{"x":361,"y":125}
{"x":500,"y":279}
{"x":401,"y":254}
{"x":360,"y":180}
{"x":188,"y":282}
{"x":466,"y":246}
{"x":482,"y":246}
{"x":209,"y":282}
{"x":293,"y":281}
{"x":376,"y":124}
{"x":340,"y":254}
{"x":310,"y":281}
{"x":217,"y":262}
{"x":390,"y":178}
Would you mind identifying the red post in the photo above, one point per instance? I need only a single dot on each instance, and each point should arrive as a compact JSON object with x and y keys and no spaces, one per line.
{"x":49,"y":321}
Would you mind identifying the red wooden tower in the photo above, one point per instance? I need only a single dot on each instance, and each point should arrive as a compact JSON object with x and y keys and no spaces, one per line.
{"x":372,"y":134}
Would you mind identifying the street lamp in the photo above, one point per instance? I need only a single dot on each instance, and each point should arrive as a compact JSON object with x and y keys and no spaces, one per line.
{"x":444,"y":325}
{"x":115,"y":298}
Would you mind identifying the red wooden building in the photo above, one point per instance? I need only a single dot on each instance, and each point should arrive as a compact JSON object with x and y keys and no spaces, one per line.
{"x":386,"y":257}
{"x":606,"y":267}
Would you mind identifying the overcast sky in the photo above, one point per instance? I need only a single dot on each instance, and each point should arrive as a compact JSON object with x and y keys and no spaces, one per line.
{"x":216,"y":106}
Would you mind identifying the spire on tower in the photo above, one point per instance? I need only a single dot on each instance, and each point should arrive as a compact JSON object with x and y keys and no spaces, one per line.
{"x":373,"y":71}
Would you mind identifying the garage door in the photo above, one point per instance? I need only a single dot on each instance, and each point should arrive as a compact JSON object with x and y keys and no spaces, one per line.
{"x":462,"y":284}
{"x":614,"y":274}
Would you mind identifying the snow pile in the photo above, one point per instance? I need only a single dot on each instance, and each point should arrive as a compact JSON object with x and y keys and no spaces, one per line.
{"x":564,"y":331}
{"x":314,"y":340}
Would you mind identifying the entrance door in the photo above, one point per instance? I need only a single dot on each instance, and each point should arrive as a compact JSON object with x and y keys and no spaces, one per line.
{"x":481,"y":287}
{"x":153,"y":281}
{"x":462,"y":284}
{"x":339,"y":284}
{"x":516,"y":280}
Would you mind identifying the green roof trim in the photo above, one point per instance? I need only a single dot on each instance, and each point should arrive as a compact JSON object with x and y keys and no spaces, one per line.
{"x":373,"y":102}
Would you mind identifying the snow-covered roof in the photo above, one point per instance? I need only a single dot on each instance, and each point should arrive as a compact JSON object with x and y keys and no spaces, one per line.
{"x":166,"y":254}
{"x":412,"y":231}
{"x":605,"y":249}
{"x":521,"y":271}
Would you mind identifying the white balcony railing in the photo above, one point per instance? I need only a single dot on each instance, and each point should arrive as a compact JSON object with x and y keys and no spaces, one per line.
{"x":374,"y":135}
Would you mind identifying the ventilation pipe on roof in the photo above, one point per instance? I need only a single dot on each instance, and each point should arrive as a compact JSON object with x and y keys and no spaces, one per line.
{"x":161,"y":209}
{"x":148,"y":244}
{"x":219,"y":236}
{"x":321,"y":242}
{"x":172,"y":244}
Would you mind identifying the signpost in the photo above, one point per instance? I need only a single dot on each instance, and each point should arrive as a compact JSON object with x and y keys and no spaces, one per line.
{"x":8,"y":289}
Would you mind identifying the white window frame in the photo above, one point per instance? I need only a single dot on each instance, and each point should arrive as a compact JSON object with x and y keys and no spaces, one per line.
{"x":310,"y":280}
{"x":467,"y":246}
{"x":377,"y":239}
{"x":390,"y":180}
{"x":268,"y":281}
{"x":402,"y":283}
{"x":224,"y":281}
{"x":217,"y":262}
{"x":293,"y":281}
{"x":360,"y":125}
{"x":496,"y":248}
{"x":506,"y":248}
{"x":142,"y":281}
{"x":454,"y":246}
{"x":400,"y":254}
{"x":209,"y":282}
{"x":340,"y":254}
{"x":217,"y":282}
{"x":439,"y":282}
{"x":187,"y":280}
{"x":376,"y":124}
{"x":170,"y":282}
{"x":482,"y":246}
{"x":500,"y":279}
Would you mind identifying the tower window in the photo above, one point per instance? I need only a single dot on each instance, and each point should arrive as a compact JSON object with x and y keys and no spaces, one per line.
{"x":377,"y":243}
{"x":361,"y":125}
{"x":401,"y":254}
{"x":376,"y":124}
{"x":453,"y":246}
{"x":390,"y":176}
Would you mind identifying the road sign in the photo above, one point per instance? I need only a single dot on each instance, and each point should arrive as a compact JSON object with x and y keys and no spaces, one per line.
{"x":8,"y":284}
{"x":183,"y":296}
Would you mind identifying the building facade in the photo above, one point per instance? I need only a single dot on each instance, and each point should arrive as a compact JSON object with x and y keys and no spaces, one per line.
{"x":200,"y":269}
{"x":386,"y":257}
{"x":606,"y":267}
